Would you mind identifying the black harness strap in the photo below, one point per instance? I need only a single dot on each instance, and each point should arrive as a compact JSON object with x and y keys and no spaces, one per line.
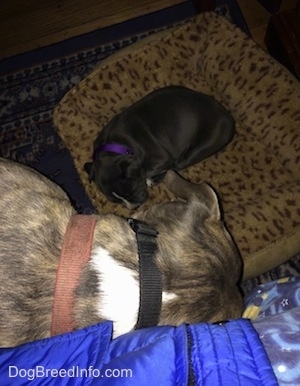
{"x":150,"y":276}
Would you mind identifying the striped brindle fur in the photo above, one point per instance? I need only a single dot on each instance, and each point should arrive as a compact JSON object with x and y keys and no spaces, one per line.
{"x":197,"y":258}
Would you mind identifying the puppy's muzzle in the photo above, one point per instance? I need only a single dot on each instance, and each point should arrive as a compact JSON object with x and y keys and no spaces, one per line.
{"x":131,"y":204}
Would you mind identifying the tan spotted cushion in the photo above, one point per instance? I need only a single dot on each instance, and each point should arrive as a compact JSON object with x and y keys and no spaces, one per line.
{"x":257,"y":175}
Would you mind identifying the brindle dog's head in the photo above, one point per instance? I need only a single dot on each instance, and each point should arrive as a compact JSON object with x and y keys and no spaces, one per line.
{"x":200,"y":264}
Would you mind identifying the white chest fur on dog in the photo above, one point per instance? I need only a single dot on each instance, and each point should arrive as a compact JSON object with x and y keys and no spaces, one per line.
{"x":119,"y":291}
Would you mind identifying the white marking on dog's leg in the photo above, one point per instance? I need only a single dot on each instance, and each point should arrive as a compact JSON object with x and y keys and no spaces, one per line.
{"x":149,"y":182}
{"x":119,"y":292}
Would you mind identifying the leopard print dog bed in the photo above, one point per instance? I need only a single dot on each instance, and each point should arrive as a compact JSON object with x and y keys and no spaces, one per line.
{"x":257,"y":175}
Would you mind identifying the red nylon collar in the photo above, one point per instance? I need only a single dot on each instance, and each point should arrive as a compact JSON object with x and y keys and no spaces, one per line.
{"x":75,"y":253}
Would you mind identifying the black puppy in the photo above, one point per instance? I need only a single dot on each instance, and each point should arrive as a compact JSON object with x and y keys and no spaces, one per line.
{"x":171,"y":128}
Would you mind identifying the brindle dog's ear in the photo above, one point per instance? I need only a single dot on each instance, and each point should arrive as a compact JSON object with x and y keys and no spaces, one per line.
{"x":205,"y":196}
{"x":89,"y":167}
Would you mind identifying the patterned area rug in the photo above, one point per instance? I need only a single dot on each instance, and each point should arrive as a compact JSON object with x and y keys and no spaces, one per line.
{"x":32,"y":84}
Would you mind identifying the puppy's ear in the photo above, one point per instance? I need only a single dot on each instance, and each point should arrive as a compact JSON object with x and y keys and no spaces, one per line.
{"x":131,"y":167}
{"x":89,"y":167}
{"x":202,"y":195}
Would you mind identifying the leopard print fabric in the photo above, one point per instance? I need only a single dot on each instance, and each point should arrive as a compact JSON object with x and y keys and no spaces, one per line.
{"x":257,"y":175}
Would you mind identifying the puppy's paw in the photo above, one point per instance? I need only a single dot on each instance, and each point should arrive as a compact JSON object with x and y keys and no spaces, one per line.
{"x":154,"y":180}
{"x":149,"y":182}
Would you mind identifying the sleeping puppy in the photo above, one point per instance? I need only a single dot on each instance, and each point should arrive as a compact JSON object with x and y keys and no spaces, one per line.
{"x":171,"y":128}
{"x":196,"y":259}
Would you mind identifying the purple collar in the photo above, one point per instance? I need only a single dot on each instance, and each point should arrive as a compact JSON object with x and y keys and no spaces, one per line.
{"x":113,"y":148}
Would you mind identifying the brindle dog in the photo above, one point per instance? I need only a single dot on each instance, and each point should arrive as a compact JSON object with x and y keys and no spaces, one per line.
{"x":198,"y":261}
